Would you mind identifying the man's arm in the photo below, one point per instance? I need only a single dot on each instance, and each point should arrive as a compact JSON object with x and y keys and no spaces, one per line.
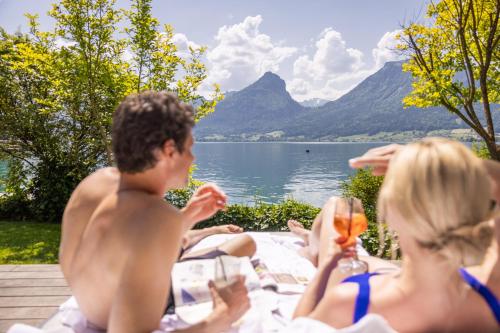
{"x":207,"y":200}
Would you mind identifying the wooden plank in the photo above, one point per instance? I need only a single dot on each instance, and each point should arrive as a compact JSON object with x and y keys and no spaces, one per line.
{"x":8,"y":283}
{"x":30,"y":275}
{"x":27,"y":313}
{"x":35,"y":291}
{"x":26,"y":301}
{"x":6,"y":324}
{"x":7,"y":268}
{"x":37,"y":268}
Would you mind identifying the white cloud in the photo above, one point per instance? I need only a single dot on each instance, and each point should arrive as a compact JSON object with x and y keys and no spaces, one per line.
{"x":243,"y":54}
{"x":183,"y":44}
{"x":386,"y":49}
{"x":334,"y":68}
{"x":62,"y":42}
{"x":331,"y":57}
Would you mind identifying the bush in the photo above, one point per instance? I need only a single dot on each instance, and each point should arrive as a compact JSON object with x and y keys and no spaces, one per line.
{"x":261,"y":217}
{"x":481,"y":150}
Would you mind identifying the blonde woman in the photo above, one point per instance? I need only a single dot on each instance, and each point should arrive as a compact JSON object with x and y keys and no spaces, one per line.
{"x":437,"y":197}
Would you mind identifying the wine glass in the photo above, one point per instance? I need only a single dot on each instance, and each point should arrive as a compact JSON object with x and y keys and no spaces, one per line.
{"x":350,"y":221}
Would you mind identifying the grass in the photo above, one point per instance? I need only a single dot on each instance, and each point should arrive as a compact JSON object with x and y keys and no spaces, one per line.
{"x":29,"y":242}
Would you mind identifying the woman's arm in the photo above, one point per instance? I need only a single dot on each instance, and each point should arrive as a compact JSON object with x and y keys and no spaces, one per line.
{"x":317,"y":287}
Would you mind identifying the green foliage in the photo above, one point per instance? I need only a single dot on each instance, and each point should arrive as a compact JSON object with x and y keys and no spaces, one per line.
{"x":481,"y":150}
{"x":455,"y":62}
{"x":29,"y":243}
{"x":58,"y":90}
{"x":260,"y":217}
{"x":364,"y":186}
{"x":265,"y":217}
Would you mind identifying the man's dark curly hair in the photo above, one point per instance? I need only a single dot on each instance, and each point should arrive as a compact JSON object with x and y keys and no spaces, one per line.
{"x":144,"y":122}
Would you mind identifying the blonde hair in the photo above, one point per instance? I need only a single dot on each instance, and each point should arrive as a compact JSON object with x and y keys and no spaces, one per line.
{"x":442,"y":191}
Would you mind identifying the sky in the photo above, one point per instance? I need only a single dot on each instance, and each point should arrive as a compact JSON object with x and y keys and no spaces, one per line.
{"x":321,"y":48}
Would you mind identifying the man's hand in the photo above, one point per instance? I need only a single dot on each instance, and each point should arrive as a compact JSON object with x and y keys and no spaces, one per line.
{"x":205,"y":202}
{"x":229,"y":303}
{"x":377,"y":158}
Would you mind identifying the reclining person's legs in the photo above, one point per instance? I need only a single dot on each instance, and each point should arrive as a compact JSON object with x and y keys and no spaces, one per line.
{"x":239,"y":246}
{"x":317,"y":239}
{"x":320,"y":244}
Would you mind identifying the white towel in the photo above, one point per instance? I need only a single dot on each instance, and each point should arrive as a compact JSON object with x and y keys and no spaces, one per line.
{"x":371,"y":323}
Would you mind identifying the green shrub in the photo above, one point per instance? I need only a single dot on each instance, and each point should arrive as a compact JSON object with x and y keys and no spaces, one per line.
{"x":260,"y":217}
{"x":481,"y":150}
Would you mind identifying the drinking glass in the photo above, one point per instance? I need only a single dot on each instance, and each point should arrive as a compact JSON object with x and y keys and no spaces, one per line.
{"x":350,"y":221}
{"x":227,"y":269}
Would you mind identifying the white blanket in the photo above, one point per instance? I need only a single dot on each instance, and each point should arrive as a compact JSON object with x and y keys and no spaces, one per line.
{"x":270,"y":312}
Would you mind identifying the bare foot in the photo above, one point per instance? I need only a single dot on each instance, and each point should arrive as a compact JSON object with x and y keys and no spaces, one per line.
{"x":229,"y":229}
{"x":298,"y":229}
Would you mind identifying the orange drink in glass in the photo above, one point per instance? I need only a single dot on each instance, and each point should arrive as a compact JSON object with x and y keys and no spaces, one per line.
{"x":350,"y":221}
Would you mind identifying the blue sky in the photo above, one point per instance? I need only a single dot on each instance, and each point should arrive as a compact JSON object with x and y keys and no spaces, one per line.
{"x":320,"y":48}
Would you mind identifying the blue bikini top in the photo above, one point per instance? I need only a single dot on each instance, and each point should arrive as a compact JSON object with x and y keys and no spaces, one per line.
{"x":363,"y":298}
{"x":484,"y":291}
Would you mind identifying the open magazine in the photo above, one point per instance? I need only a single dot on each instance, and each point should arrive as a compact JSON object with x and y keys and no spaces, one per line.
{"x":192,"y":297}
{"x":283,"y":282}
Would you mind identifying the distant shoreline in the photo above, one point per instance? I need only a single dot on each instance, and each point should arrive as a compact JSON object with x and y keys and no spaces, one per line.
{"x":463,"y":135}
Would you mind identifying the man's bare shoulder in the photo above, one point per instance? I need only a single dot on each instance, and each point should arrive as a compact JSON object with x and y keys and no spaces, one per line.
{"x":95,"y":187}
{"x":139,"y":211}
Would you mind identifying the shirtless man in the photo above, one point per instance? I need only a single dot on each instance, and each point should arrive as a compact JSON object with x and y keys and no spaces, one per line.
{"x":118,"y":264}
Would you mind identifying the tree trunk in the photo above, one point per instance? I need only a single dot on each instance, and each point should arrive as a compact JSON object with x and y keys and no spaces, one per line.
{"x":493,"y":149}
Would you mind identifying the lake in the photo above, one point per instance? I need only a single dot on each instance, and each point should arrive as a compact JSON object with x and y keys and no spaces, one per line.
{"x":273,"y":171}
{"x":3,"y":173}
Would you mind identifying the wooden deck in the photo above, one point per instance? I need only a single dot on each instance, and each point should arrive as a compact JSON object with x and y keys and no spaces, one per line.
{"x":30,"y":294}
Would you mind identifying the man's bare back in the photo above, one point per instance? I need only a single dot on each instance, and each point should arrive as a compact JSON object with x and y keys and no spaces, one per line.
{"x":119,"y":228}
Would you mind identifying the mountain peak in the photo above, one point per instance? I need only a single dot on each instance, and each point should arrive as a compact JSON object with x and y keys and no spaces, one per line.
{"x":269,"y":81}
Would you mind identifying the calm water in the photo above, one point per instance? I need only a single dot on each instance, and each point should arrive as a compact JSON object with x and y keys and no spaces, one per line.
{"x":274,"y":171}
{"x":3,"y":173}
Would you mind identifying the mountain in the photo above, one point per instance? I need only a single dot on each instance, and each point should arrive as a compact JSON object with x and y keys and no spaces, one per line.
{"x":262,"y":106}
{"x":374,"y":106}
{"x":314,"y":102}
{"x":266,"y":111}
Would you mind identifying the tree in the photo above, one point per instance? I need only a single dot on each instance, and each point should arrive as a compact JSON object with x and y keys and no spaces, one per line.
{"x":58,"y":90}
{"x":455,"y":63}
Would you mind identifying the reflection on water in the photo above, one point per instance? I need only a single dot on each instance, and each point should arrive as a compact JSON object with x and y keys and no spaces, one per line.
{"x":274,"y":171}
{"x":3,"y":173}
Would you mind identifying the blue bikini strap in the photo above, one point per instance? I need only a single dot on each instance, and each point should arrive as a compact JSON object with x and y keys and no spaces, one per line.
{"x":363,"y":299}
{"x":486,"y":293}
